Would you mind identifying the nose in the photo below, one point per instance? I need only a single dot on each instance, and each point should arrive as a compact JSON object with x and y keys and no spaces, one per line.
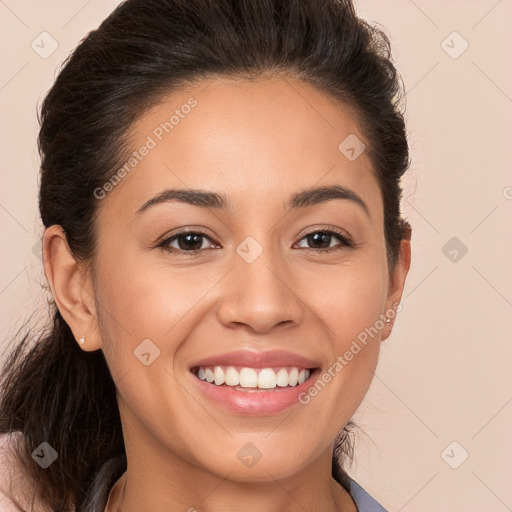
{"x":259,"y":296}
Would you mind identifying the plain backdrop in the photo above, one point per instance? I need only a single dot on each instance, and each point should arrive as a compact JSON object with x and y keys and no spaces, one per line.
{"x":437,"y":417}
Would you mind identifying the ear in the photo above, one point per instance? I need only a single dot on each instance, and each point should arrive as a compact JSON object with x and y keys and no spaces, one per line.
{"x":72,"y":289}
{"x":397,"y":278}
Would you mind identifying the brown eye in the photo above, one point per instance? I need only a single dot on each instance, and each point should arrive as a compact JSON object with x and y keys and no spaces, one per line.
{"x":188,"y":241}
{"x":323,"y":239}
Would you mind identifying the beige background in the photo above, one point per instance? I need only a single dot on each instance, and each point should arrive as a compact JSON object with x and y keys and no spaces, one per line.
{"x":444,"y":374}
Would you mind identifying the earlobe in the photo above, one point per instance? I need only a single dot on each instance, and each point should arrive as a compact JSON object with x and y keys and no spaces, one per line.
{"x":70,"y":285}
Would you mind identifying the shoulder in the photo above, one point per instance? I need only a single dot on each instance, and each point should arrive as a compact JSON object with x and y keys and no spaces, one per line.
{"x":104,"y":481}
{"x":363,"y":501}
{"x":17,"y":491}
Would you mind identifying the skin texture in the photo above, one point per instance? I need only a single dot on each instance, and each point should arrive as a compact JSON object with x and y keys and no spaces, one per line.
{"x":258,"y":143}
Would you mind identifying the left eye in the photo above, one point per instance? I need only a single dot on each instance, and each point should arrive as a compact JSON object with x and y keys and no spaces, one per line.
{"x":324,"y":238}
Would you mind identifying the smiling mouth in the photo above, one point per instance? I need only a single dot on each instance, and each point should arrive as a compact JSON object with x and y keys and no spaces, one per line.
{"x":253,"y":379}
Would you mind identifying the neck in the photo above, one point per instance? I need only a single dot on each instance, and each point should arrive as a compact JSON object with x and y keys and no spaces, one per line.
{"x":181,"y":486}
{"x":159,"y":478}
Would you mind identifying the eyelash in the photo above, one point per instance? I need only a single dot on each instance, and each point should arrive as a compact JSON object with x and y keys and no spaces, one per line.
{"x":345,"y":241}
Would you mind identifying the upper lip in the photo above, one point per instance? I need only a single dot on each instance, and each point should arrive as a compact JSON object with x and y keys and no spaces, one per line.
{"x":254,"y":359}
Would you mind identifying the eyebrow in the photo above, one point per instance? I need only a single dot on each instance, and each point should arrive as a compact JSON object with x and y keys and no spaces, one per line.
{"x":213,"y":200}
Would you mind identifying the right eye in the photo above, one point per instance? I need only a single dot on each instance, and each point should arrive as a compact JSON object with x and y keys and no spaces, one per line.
{"x":191,"y":242}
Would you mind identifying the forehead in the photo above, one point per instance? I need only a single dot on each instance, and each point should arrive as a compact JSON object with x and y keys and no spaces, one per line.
{"x":251,"y":140}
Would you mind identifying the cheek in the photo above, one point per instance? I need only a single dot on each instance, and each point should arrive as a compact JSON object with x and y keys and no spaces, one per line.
{"x":145,"y":318}
{"x":349,"y":304}
{"x":138,"y":302}
{"x":349,"y":300}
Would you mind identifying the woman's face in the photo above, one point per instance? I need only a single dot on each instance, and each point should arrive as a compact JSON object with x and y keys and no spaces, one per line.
{"x":258,"y":293}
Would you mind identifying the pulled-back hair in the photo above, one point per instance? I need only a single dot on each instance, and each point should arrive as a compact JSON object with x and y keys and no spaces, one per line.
{"x":52,"y":390}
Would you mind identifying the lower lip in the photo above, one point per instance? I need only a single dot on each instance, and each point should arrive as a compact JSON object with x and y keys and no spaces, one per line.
{"x":258,"y":403}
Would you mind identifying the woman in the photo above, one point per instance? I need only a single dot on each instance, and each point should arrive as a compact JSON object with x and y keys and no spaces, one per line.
{"x":224,"y":247}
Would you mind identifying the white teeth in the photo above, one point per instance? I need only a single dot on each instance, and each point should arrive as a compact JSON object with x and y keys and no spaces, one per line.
{"x":208,"y":375}
{"x":281,"y":378}
{"x":265,"y":378}
{"x":293,"y":377}
{"x":218,"y":375}
{"x":248,"y":378}
{"x":232,"y":377}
